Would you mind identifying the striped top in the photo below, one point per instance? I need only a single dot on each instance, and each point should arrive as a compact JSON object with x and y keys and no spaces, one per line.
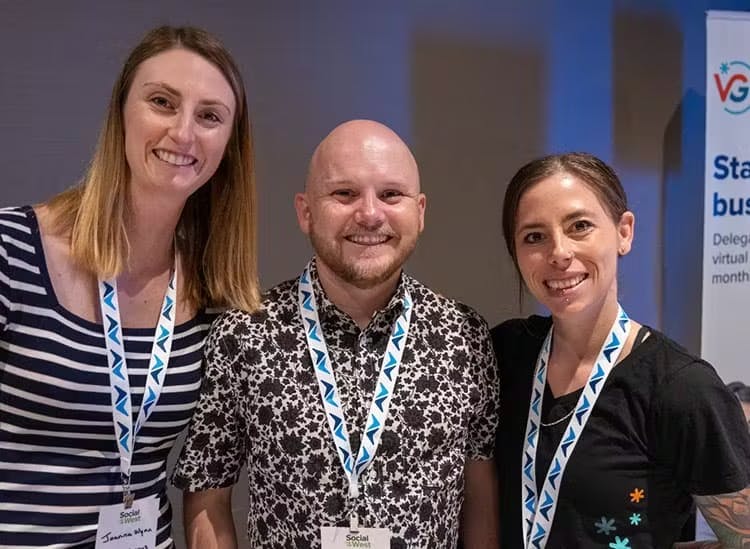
{"x":58,"y":457}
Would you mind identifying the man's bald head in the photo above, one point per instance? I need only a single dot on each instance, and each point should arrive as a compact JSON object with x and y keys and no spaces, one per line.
{"x":362,"y":207}
{"x":359,"y":141}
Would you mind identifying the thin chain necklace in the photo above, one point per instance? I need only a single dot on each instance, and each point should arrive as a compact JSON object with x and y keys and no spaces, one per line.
{"x":566,"y":416}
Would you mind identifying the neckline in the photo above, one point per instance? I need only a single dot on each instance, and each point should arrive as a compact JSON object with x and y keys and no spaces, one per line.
{"x":634,"y":353}
{"x":36,"y":236}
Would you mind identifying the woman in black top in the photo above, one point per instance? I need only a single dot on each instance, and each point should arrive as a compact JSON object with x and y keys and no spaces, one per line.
{"x":609,"y":430}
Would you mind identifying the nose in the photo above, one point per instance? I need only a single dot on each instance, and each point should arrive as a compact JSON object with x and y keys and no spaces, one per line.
{"x":369,"y":211}
{"x":561,"y":253}
{"x":182,"y":129}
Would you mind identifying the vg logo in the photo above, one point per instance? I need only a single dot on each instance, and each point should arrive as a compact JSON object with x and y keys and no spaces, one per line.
{"x":732,"y":85}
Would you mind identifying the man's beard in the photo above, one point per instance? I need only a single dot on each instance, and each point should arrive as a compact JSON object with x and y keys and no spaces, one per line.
{"x":363,"y":274}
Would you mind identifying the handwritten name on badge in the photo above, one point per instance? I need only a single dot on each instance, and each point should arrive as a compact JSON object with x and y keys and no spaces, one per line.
{"x":133,"y":528}
{"x":364,"y":538}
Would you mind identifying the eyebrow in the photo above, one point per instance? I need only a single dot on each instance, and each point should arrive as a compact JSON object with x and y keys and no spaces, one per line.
{"x":171,"y":90}
{"x":576,"y":214}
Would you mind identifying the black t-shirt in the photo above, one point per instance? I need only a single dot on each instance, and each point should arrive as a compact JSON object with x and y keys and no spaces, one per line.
{"x":664,"y":427}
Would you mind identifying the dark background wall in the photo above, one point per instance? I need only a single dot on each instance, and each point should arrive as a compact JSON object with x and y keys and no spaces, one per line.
{"x":476,"y":87}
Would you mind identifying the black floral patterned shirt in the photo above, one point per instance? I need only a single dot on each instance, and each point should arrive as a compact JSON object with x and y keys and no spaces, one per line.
{"x":260,"y":405}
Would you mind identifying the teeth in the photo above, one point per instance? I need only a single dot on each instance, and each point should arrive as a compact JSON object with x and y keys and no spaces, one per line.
{"x":174,"y":158}
{"x":565,"y":284}
{"x":367,"y":239}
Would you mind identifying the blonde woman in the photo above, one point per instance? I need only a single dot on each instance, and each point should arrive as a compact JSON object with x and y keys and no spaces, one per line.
{"x":104,"y":292}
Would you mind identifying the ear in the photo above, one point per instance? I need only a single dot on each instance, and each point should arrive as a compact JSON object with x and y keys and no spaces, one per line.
{"x":303,"y":212}
{"x":625,"y":229}
{"x":421,"y":204}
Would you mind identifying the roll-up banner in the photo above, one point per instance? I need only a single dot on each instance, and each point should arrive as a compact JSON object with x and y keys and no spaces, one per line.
{"x":725,"y":340}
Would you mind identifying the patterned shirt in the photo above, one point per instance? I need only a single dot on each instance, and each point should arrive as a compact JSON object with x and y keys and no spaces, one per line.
{"x":59,"y":461}
{"x":260,"y":405}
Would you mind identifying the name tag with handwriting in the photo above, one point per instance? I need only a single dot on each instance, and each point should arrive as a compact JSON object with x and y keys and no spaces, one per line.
{"x":134,"y":528}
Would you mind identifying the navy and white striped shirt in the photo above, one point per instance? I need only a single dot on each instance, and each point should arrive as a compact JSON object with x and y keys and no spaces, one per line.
{"x":58,"y":457}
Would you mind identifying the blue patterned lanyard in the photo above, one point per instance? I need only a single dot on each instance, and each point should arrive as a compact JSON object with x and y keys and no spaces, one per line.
{"x":119,"y":382}
{"x":327,"y":383}
{"x":537,"y":516}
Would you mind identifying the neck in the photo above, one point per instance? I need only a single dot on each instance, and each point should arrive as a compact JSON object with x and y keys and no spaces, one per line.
{"x":359,"y":303}
{"x":150,"y":227}
{"x":579,"y":338}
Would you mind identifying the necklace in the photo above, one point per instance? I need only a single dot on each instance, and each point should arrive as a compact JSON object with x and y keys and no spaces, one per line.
{"x":566,"y":416}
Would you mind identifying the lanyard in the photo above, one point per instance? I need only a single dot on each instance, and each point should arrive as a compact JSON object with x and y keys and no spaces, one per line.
{"x":537,"y":516}
{"x":378,"y":414}
{"x":119,"y":382}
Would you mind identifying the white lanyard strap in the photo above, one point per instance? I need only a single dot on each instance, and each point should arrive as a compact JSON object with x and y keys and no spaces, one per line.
{"x":537,"y":516}
{"x":122,"y":409}
{"x":378,"y":414}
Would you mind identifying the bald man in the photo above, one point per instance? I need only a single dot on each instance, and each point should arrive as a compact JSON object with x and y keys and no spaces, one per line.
{"x":363,"y":403}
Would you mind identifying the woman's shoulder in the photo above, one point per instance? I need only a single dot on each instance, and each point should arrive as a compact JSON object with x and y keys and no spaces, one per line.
{"x":17,"y":218}
{"x":667,"y":356}
{"x":516,"y":330}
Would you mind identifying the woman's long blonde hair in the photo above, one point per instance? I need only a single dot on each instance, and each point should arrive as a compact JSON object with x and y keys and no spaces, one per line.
{"x":216,"y":233}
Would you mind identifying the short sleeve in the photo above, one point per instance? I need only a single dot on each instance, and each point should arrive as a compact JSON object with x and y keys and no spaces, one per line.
{"x":701,"y":433}
{"x":484,"y":394}
{"x":214,"y":451}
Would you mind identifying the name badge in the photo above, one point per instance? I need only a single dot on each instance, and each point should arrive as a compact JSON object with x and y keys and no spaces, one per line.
{"x":134,"y":528}
{"x":365,"y":538}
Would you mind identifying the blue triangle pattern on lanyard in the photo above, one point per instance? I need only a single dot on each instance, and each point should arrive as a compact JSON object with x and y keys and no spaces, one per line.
{"x":531,"y":439}
{"x":540,"y":532}
{"x":582,"y":409}
{"x":117,"y":365}
{"x":158,"y":368}
{"x":321,"y":357}
{"x":612,"y":347}
{"x":398,"y":335}
{"x":311,"y":323}
{"x":122,"y":401}
{"x":340,"y":432}
{"x":535,"y":402}
{"x":554,"y":473}
{"x":597,"y":377}
{"x":623,"y":321}
{"x":124,"y":435}
{"x":331,"y":399}
{"x":150,"y":400}
{"x":527,"y":466}
{"x":306,"y":300}
{"x":568,"y":441}
{"x":109,"y":294}
{"x":112,"y":330}
{"x":546,"y":505}
{"x":328,"y":387}
{"x":530,"y":500}
{"x":363,"y":459}
{"x":168,"y":308}
{"x":163,"y":337}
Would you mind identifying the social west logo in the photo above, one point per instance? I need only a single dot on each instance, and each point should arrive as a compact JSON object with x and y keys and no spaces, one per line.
{"x":732,"y":83}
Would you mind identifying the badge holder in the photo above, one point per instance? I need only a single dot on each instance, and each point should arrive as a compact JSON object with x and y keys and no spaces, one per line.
{"x":127,"y":496}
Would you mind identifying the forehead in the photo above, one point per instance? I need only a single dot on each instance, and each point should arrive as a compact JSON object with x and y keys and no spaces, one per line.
{"x":557,"y":196}
{"x":368,"y":161}
{"x":186,"y":72}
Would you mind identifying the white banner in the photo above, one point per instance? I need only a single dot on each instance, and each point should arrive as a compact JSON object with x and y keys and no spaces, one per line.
{"x":725,"y":338}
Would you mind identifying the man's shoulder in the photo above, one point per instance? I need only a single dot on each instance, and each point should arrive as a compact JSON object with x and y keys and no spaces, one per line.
{"x":279,"y":304}
{"x":450,"y":309}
